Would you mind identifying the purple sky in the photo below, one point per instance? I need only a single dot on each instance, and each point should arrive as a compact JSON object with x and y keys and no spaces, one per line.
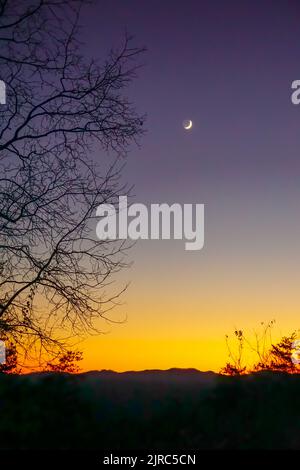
{"x":228,"y":66}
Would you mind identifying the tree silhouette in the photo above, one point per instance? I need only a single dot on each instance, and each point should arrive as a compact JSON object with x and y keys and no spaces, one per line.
{"x":270,"y":356}
{"x":63,"y":362}
{"x":280,"y":356}
{"x":61,"y":111}
{"x":66,"y":362}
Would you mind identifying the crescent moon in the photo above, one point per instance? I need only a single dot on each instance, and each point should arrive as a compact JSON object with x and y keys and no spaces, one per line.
{"x":188,"y":124}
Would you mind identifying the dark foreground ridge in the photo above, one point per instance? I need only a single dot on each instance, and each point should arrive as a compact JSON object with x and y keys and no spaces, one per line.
{"x":174,"y":409}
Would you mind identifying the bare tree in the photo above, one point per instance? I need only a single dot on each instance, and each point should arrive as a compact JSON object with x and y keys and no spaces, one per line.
{"x":236,"y":365}
{"x":61,"y":111}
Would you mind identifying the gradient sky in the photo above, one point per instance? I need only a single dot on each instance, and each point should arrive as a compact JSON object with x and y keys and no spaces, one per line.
{"x":228,"y":66}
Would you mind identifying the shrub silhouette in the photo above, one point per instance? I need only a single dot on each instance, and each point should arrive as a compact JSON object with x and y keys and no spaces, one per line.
{"x":236,"y":367}
{"x":230,"y":369}
{"x":65,"y":362}
{"x":271,"y":356}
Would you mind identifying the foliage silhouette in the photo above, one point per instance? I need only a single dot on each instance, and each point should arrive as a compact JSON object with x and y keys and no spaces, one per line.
{"x":11,"y":363}
{"x":270,"y":356}
{"x":66,"y":362}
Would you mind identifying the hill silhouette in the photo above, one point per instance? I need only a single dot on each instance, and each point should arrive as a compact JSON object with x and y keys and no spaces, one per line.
{"x":153,"y":409}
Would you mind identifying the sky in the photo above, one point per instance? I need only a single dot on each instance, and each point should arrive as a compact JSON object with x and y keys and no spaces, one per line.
{"x":227,"y":66}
